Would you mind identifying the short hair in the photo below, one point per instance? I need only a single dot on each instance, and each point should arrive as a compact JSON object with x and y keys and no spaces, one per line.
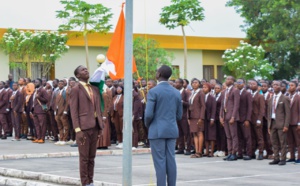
{"x":61,"y":81}
{"x":15,"y":83}
{"x":72,"y":79}
{"x":180,"y":80}
{"x":196,"y":80}
{"x":76,"y":70}
{"x":233,"y":79}
{"x":57,"y":80}
{"x":22,"y":79}
{"x":295,"y":83}
{"x":187,"y":81}
{"x":242,"y":80}
{"x":165,"y":71}
{"x":2,"y":82}
{"x":152,"y":81}
{"x":38,"y":79}
{"x":284,"y":83}
{"x":208,"y":85}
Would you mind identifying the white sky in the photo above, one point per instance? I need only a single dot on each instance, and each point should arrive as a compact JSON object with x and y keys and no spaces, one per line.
{"x":220,"y":21}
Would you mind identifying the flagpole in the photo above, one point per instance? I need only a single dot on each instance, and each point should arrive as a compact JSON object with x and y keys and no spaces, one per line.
{"x":127,"y":127}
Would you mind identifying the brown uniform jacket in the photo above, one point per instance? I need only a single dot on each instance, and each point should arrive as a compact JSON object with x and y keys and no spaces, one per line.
{"x":3,"y":101}
{"x":245,"y":110}
{"x":258,"y":108}
{"x":210,"y":107}
{"x":197,"y":108}
{"x":137,"y":106}
{"x":232,"y":105}
{"x":18,"y":102}
{"x":119,"y":106}
{"x":61,"y":103}
{"x":185,"y":96}
{"x":43,"y":98}
{"x":107,"y":98}
{"x":266,"y":104}
{"x":283,"y":112}
{"x":218,"y":105}
{"x":295,"y":110}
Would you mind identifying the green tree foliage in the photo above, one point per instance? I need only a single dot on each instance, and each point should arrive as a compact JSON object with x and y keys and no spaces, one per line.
{"x":88,"y":18}
{"x":275,"y":25}
{"x":179,"y":14}
{"x":144,"y":49}
{"x":35,"y":46}
{"x":247,"y":61}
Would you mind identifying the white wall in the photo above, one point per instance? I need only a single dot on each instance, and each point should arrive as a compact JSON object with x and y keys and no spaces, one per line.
{"x":66,"y":65}
{"x":4,"y":67}
{"x":194,"y":63}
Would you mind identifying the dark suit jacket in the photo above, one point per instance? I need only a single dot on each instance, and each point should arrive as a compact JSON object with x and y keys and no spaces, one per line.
{"x":18,"y":102}
{"x":137,"y":106}
{"x":295,"y":110}
{"x":245,"y":106}
{"x":210,"y":105}
{"x":266,"y":105}
{"x":82,"y":108}
{"x":232,"y":105}
{"x":43,"y":98}
{"x":53,"y":99}
{"x":185,"y":96}
{"x":9,"y":92}
{"x":3,"y":101}
{"x":283,"y":112}
{"x":258,"y":108}
{"x":197,"y":108}
{"x":218,"y":105}
{"x":119,"y":106}
{"x":49,"y":92}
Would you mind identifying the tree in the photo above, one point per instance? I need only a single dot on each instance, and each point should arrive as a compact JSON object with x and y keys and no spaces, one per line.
{"x":247,"y":61}
{"x":89,"y":18}
{"x":275,"y":25}
{"x":148,"y":49}
{"x":28,"y":46}
{"x":181,"y":13}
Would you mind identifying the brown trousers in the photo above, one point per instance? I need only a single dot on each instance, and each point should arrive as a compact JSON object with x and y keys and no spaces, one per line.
{"x":63,"y":127}
{"x":232,"y":137}
{"x":40,"y":125}
{"x":184,"y":135}
{"x":118,"y":121}
{"x":87,"y":154}
{"x":244,"y":135}
{"x":221,"y":137}
{"x":24,"y":125}
{"x":278,"y":138}
{"x":9,"y":122}
{"x":3,"y":124}
{"x":267,"y":139}
{"x":294,"y":140}
{"x":135,"y":134}
{"x":257,"y":138}
{"x":16,"y":118}
{"x":53,"y":124}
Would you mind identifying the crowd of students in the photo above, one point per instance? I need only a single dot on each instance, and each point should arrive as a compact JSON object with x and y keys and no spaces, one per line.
{"x":236,"y":119}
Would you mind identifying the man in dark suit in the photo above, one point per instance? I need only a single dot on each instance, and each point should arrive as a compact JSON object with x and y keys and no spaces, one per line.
{"x":229,"y":116}
{"x":3,"y":111}
{"x":163,"y":110}
{"x":40,"y":98}
{"x":244,"y":127}
{"x":87,"y":122}
{"x":17,"y":103}
{"x":278,"y":123}
{"x":183,"y":126}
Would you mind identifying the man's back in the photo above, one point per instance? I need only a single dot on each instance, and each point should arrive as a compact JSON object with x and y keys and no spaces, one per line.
{"x":164,"y":108}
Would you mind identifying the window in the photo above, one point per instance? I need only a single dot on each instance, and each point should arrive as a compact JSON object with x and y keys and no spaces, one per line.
{"x":220,"y":73}
{"x":208,"y":72}
{"x":18,"y":70}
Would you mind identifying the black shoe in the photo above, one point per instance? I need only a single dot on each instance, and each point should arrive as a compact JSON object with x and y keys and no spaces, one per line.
{"x":274,"y":162}
{"x":146,"y":146}
{"x":260,"y":157}
{"x":4,"y":137}
{"x":239,"y":157}
{"x":9,"y":134}
{"x":253,"y":156}
{"x":226,"y":158}
{"x":232,"y":158}
{"x":180,"y":152}
{"x":24,"y":137}
{"x":187,"y":153}
{"x":291,"y":161}
{"x":113,"y":142}
{"x":282,"y":162}
{"x":246,"y":158}
{"x":193,"y":152}
{"x":74,"y":145}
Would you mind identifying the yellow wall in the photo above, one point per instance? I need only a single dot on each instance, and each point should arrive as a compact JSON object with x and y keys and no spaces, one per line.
{"x":213,"y":57}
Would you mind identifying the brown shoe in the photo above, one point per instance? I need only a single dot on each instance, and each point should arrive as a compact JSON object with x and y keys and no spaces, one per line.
{"x":40,"y":141}
{"x":35,"y":141}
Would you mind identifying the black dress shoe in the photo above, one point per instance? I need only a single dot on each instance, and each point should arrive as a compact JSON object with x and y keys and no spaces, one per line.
{"x":291,"y":161}
{"x":232,"y":158}
{"x":180,"y":152}
{"x":274,"y":162}
{"x":253,"y":156}
{"x":239,"y":157}
{"x":3,"y":137}
{"x":260,"y":157}
{"x":187,"y":153}
{"x":226,"y":158}
{"x":282,"y":162}
{"x":74,"y":145}
{"x":9,"y":134}
{"x":246,"y":158}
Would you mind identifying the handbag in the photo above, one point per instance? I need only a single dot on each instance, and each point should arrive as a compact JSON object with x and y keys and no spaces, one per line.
{"x":44,"y":106}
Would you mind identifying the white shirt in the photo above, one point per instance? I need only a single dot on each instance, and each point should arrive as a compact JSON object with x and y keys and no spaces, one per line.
{"x":1,"y":90}
{"x":241,"y":91}
{"x":181,"y":90}
{"x":276,"y":103}
{"x":159,"y":83}
{"x":117,"y":101}
{"x":292,"y":98}
{"x":253,"y":94}
{"x":206,"y":96}
{"x":194,"y":93}
{"x":218,"y":96}
{"x":266,"y":95}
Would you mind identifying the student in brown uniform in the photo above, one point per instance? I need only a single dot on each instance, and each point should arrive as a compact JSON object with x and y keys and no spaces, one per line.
{"x":87,"y":122}
{"x":3,"y":111}
{"x":137,"y":111}
{"x":28,"y":108}
{"x":244,"y":125}
{"x":40,"y":99}
{"x":278,"y":123}
{"x":267,"y":141}
{"x":221,"y":136}
{"x":209,"y":121}
{"x":8,"y":115}
{"x":23,"y":122}
{"x":183,"y":126}
{"x":72,"y":134}
{"x":104,"y":139}
{"x":229,"y":117}
{"x":54,"y":127}
{"x":258,"y":111}
{"x":17,"y":110}
{"x":117,"y":114}
{"x":196,"y":116}
{"x":294,"y":127}
{"x":49,"y":90}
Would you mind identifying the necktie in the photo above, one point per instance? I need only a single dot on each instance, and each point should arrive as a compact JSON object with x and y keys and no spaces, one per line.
{"x":91,"y":94}
{"x":274,"y":105}
{"x":226,"y":99}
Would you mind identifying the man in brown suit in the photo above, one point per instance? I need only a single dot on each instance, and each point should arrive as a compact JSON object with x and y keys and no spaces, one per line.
{"x":17,"y":103}
{"x":137,"y":110}
{"x":294,"y":127}
{"x":3,"y":111}
{"x":40,"y":97}
{"x":244,"y":127}
{"x":278,"y":123}
{"x":8,"y":115}
{"x":183,"y":126}
{"x":87,"y":122}
{"x":258,"y":111}
{"x":229,"y":116}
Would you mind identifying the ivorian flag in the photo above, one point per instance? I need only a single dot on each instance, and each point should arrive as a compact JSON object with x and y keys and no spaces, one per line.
{"x":114,"y":63}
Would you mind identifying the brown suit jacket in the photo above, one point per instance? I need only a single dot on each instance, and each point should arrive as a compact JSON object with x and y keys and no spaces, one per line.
{"x":53,"y":99}
{"x":107,"y":98}
{"x":218,"y":105}
{"x":83,"y":110}
{"x":210,"y":105}
{"x":9,"y":93}
{"x":266,"y":104}
{"x":185,"y":96}
{"x":43,"y":98}
{"x":119,"y":106}
{"x":18,"y":102}
{"x":245,"y":110}
{"x":295,"y":110}
{"x":232,"y":105}
{"x":49,"y":92}
{"x":258,"y":108}
{"x":137,"y":106}
{"x":197,"y":108}
{"x":3,"y":101}
{"x":60,"y":103}
{"x":283,"y":112}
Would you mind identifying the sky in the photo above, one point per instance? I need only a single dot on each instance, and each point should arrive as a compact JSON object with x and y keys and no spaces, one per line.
{"x":220,"y":21}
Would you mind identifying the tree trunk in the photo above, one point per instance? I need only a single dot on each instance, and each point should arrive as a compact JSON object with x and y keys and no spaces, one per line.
{"x":185,"y":52}
{"x":86,"y":47}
